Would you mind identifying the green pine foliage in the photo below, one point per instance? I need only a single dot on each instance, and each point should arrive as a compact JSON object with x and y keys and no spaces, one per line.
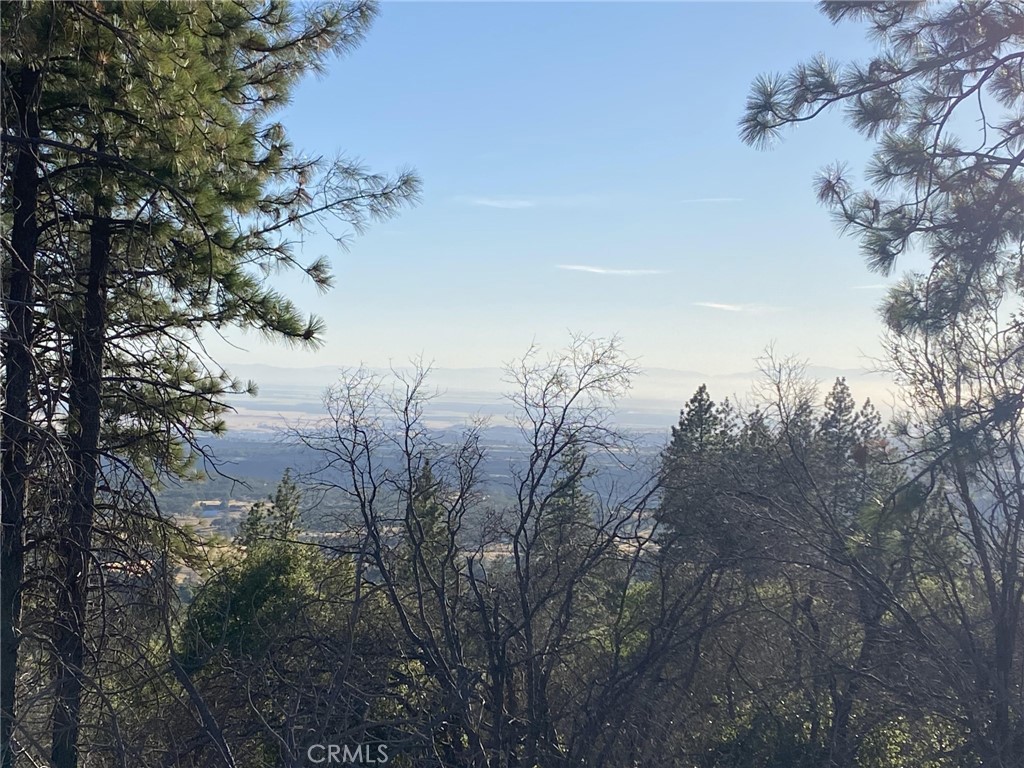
{"x":166,"y":198}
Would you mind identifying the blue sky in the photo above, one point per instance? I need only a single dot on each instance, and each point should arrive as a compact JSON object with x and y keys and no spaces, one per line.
{"x":582,"y":171}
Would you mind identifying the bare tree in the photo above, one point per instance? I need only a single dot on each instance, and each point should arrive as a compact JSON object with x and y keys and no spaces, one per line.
{"x":532,"y":627}
{"x":409,"y":538}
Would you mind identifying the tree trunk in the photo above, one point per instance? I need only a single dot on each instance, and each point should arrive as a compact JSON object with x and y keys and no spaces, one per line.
{"x":17,"y":364}
{"x":74,"y":546}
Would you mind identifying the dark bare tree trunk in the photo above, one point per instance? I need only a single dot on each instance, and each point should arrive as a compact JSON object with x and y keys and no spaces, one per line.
{"x":17,"y":364}
{"x":74,"y":547}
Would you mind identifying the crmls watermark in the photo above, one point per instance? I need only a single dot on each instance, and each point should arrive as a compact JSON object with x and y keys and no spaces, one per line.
{"x":347,"y":754}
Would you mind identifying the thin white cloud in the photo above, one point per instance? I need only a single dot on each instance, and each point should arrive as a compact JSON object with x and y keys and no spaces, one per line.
{"x":711,"y":200}
{"x":753,"y":309}
{"x":609,"y":271}
{"x":505,"y":203}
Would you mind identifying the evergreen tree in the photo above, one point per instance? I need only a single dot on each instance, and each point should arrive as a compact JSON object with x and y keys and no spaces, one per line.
{"x":697,"y":471}
{"x":284,"y":648}
{"x":171,"y":197}
{"x":701,"y":426}
{"x":428,"y":521}
{"x":276,"y":518}
{"x":957,"y":195}
{"x":565,"y":525}
{"x":953,"y":334}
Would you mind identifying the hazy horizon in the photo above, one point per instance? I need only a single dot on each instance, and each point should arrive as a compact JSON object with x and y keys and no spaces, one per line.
{"x":653,"y":403}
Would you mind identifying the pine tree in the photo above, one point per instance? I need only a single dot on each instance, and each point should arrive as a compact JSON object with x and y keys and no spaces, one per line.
{"x":144,"y":132}
{"x":695,"y":473}
{"x":956,"y":195}
{"x":567,"y":516}
{"x":942,"y":99}
{"x":701,"y":425}
{"x":273,"y":519}
{"x":428,"y":527}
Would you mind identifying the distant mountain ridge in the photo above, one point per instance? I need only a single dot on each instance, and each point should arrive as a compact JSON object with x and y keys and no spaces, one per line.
{"x":327,"y":374}
{"x":652,"y":404}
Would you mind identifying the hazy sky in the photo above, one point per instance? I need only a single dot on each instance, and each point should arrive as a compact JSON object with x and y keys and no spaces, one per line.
{"x":582,"y":171}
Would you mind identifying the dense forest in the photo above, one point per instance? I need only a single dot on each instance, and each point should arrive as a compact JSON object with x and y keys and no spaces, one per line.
{"x":794,"y":581}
